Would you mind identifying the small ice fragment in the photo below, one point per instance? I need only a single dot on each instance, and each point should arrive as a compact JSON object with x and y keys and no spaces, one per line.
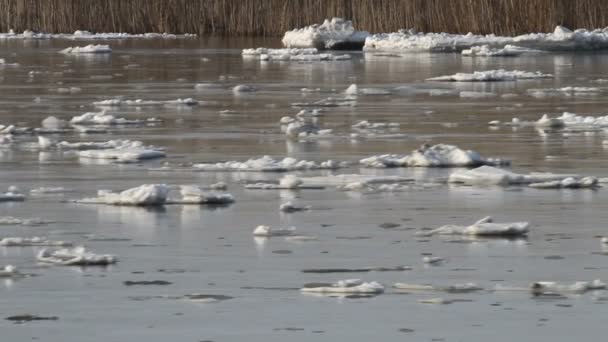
{"x":433,"y":260}
{"x":345,"y":286}
{"x":34,"y":241}
{"x":266,"y":231}
{"x":87,"y":49}
{"x":243,"y":88}
{"x":483,"y":227}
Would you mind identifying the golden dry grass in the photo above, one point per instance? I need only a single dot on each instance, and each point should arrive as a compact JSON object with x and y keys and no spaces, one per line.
{"x":273,"y":17}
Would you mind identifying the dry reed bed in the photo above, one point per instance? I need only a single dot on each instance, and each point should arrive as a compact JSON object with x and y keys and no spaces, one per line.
{"x":273,"y":17}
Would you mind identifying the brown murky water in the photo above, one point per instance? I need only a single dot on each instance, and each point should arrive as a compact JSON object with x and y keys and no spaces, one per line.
{"x":212,"y":251}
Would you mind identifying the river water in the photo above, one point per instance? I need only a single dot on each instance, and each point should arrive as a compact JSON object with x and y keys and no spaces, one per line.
{"x":212,"y":251}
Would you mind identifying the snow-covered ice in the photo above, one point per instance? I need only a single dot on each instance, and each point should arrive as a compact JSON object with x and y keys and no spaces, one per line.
{"x":561,"y":39}
{"x":87,"y":35}
{"x":484,"y":227}
{"x":77,"y":256}
{"x":266,"y":231}
{"x":140,"y":102}
{"x":293,"y":54}
{"x":268,"y":164}
{"x":488,"y":175}
{"x":348,"y":286}
{"x":87,"y":49}
{"x":432,"y":156}
{"x":491,"y":76}
{"x":336,"y":33}
{"x":33,"y":241}
{"x":487,"y":51}
{"x":192,"y":194}
{"x":101,"y":118}
{"x":147,"y":194}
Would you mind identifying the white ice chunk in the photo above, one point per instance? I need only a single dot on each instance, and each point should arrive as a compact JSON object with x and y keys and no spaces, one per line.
{"x":88,"y":49}
{"x":147,"y":194}
{"x":488,"y":175}
{"x":10,"y":271}
{"x":77,"y":256}
{"x":348,"y":286}
{"x":334,"y":33}
{"x":432,"y":156}
{"x":12,"y":195}
{"x":266,"y":231}
{"x":484,"y":227}
{"x":268,"y":164}
{"x":487,"y":51}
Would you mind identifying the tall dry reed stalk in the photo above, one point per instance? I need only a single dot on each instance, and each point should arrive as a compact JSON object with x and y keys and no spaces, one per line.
{"x":273,"y":17}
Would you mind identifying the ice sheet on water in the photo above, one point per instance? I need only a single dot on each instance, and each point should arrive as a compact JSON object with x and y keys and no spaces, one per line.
{"x":491,"y":76}
{"x":347,"y":286}
{"x":292,"y":54}
{"x":561,"y":39}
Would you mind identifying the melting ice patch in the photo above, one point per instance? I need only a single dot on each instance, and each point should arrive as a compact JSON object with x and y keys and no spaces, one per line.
{"x":101,"y":118}
{"x":266,"y":231}
{"x":140,"y":102}
{"x":484,"y":227}
{"x":487,"y":51}
{"x":147,"y":194}
{"x":348,"y":286}
{"x":87,"y":49}
{"x":77,"y":256}
{"x":491,"y":76}
{"x":33,"y":241}
{"x":86,"y":35}
{"x":268,"y":164}
{"x":293,"y":54}
{"x":488,"y":175}
{"x":565,"y":91}
{"x":336,"y":33}
{"x":432,"y":156}
{"x":560,"y":39}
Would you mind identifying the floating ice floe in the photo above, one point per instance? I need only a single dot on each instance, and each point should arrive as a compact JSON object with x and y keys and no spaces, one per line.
{"x":140,"y":102}
{"x":266,"y":231}
{"x":432,"y":260}
{"x":439,"y":155}
{"x":293,"y":54}
{"x":488,"y":175}
{"x":565,"y":91}
{"x":86,"y":35}
{"x":354,"y":90}
{"x":336,"y":33}
{"x":191,"y":194}
{"x":287,"y":182}
{"x":77,"y":256}
{"x":4,"y":64}
{"x":364,"y":124}
{"x":269,"y":164}
{"x":290,"y":207}
{"x":10,"y":271}
{"x":484,"y":227}
{"x":303,"y":128}
{"x":123,"y":155}
{"x":147,"y":194}
{"x":12,"y":195}
{"x":15,"y":221}
{"x":34,"y":241}
{"x":544,"y":287}
{"x":561,"y":39}
{"x":491,"y":76}
{"x":346,"y":180}
{"x":243,"y":88}
{"x":46,"y":190}
{"x":52,"y":122}
{"x":87,"y":49}
{"x":477,"y":94}
{"x":487,"y":51}
{"x":101,"y":118}
{"x":568,"y":183}
{"x":456,"y":288}
{"x":348,"y":286}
